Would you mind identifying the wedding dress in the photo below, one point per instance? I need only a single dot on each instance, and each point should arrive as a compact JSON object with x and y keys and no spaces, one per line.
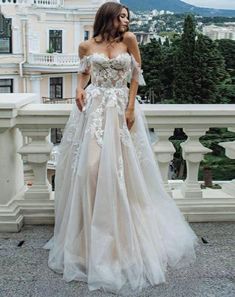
{"x":115,"y":226}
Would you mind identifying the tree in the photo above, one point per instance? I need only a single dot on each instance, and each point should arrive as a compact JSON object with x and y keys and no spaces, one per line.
{"x":183,"y":63}
{"x":152,"y":67}
{"x":227,"y":49}
{"x":209,"y":71}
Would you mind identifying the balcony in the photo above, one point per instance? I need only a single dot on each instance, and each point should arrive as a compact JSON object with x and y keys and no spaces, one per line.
{"x":36,"y":3}
{"x":65,"y":62}
{"x":24,"y":131}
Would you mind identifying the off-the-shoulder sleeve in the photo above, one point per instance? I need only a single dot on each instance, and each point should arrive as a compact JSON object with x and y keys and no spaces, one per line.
{"x":136,"y":73}
{"x":84,"y":65}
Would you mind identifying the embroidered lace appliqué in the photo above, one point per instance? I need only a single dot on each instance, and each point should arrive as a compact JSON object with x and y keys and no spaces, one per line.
{"x":121,"y":173}
{"x":125,"y":135}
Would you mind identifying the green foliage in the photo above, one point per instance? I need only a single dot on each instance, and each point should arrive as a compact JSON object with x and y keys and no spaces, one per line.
{"x":50,"y":50}
{"x":209,"y":73}
{"x":152,"y":67}
{"x":190,"y":68}
{"x":222,"y":167}
{"x":227,"y":48}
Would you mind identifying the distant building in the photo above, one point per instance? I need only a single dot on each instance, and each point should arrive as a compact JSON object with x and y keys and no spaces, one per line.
{"x":218,"y":32}
{"x":145,"y":37}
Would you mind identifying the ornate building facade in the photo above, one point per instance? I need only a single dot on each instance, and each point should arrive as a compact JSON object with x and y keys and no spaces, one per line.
{"x":38,"y":45}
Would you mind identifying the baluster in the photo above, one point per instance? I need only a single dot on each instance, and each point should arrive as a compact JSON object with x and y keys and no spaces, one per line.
{"x":37,"y":153}
{"x":193,"y":152}
{"x":164,"y":151}
{"x":229,"y":187}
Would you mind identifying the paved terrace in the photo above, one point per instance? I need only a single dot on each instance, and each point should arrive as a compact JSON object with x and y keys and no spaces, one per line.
{"x":24,"y":271}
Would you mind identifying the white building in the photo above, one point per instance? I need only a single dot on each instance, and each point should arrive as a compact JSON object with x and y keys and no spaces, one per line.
{"x":39,"y":45}
{"x":217,"y":32}
{"x":145,"y":37}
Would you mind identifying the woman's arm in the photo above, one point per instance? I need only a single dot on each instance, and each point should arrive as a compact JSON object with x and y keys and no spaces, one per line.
{"x":83,"y":77}
{"x":133,"y":49}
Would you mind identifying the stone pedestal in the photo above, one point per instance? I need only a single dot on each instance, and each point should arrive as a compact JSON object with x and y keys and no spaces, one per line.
{"x":11,"y":166}
{"x":164,"y":151}
{"x":193,"y":152}
{"x":229,"y":188}
{"x":37,"y":153}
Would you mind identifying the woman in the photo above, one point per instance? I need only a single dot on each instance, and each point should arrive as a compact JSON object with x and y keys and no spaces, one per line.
{"x":115,"y":226}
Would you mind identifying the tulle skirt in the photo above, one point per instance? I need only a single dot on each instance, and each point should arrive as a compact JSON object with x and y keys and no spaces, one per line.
{"x":115,"y":226}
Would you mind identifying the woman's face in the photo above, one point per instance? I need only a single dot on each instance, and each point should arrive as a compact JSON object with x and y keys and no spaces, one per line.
{"x":122,"y":21}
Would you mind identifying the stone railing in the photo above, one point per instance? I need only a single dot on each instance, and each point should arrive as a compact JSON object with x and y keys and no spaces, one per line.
{"x":7,"y":2}
{"x":48,"y":3}
{"x":24,"y":131}
{"x":36,"y":3}
{"x":49,"y":100}
{"x":54,"y":59}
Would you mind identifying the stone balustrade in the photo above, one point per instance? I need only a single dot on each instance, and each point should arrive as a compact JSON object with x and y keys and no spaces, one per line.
{"x":36,"y":3}
{"x":24,"y":131}
{"x":54,"y":59}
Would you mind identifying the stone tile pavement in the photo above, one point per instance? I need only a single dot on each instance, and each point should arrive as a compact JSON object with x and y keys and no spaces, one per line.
{"x":24,"y":271}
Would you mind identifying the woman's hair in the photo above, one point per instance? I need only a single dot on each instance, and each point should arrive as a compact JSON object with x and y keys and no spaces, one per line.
{"x":104,"y":22}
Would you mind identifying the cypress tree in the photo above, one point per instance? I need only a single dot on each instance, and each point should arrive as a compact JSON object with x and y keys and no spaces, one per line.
{"x":152,"y":67}
{"x":209,"y":72}
{"x":183,"y":63}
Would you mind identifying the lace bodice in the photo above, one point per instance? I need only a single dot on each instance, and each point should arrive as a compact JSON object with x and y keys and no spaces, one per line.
{"x":111,"y":72}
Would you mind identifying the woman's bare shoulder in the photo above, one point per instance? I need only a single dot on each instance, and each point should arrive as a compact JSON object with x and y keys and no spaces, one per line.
{"x":85,"y":47}
{"x":129,"y":37}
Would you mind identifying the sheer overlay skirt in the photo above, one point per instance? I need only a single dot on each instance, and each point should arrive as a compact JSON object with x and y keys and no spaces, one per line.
{"x":115,"y":226}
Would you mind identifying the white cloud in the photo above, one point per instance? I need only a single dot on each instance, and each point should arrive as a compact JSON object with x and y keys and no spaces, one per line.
{"x":226,"y":4}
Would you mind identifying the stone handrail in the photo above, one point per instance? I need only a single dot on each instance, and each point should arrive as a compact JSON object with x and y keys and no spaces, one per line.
{"x":37,"y":3}
{"x":56,"y":59}
{"x":25,"y":128}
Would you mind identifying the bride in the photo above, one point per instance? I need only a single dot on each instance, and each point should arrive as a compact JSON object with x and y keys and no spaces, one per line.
{"x":115,"y":226}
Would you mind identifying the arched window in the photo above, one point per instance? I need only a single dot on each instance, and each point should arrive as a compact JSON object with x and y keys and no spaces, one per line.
{"x":5,"y":35}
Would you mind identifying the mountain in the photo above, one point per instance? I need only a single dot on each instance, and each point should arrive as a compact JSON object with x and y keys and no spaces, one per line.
{"x":176,"y":6}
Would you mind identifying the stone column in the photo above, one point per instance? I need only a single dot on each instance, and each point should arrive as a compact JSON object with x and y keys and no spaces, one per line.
{"x":74,"y":84}
{"x":11,"y":166}
{"x":229,"y":187}
{"x":164,"y":151}
{"x":193,"y":152}
{"x":37,"y":153}
{"x":36,"y":87}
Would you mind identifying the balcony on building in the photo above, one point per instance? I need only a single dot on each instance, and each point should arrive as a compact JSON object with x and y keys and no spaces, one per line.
{"x":35,"y":3}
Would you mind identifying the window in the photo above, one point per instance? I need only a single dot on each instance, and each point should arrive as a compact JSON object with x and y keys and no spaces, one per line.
{"x":55,"y":41}
{"x":56,"y":91}
{"x":56,"y":135}
{"x":56,"y":87}
{"x":86,"y":35}
{"x":5,"y":35}
{"x":6,"y":85}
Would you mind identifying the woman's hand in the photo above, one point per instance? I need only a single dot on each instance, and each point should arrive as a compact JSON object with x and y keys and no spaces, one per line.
{"x":130,"y":117}
{"x":80,"y":98}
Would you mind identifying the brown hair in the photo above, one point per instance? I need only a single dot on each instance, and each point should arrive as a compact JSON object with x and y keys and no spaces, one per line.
{"x":103,"y":24}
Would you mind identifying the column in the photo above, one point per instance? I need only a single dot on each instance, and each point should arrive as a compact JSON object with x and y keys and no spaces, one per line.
{"x":37,"y":153}
{"x":11,"y":167}
{"x":35,"y":81}
{"x":77,"y":37}
{"x":229,"y":187}
{"x":193,"y":152}
{"x":74,"y":84}
{"x":164,"y":151}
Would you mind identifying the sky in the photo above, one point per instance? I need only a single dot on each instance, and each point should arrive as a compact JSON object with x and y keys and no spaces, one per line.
{"x":226,"y":4}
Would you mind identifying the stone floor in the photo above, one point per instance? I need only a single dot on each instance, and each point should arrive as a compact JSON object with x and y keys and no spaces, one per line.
{"x":24,"y":271}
